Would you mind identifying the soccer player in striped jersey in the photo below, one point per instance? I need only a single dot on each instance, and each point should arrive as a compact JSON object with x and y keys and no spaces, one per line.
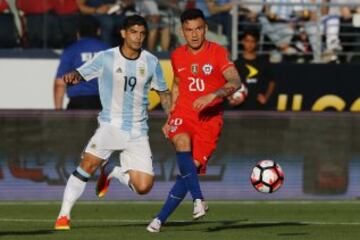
{"x":125,"y":75}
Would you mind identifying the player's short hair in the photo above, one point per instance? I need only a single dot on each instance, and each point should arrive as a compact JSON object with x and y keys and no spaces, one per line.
{"x":134,"y":20}
{"x":191,"y":14}
{"x":88,"y":26}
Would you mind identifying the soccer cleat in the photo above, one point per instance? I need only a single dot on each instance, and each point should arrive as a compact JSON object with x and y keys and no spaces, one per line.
{"x":62,"y":223}
{"x":200,"y":209}
{"x":103,"y":183}
{"x":154,"y":226}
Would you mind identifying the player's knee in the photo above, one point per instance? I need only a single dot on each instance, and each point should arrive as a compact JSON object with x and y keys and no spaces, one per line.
{"x":88,"y":167}
{"x":90,"y":163}
{"x":143,"y":188}
{"x":182,"y":143}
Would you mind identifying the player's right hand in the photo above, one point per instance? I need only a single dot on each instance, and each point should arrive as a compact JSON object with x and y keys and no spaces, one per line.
{"x":166,"y":129}
{"x":202,"y":102}
{"x":72,"y":77}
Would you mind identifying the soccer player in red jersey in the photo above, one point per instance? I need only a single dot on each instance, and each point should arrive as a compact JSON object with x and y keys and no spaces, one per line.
{"x":203,"y":77}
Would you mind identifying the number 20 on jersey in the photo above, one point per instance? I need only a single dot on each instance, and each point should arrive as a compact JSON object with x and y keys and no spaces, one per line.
{"x":196,"y":84}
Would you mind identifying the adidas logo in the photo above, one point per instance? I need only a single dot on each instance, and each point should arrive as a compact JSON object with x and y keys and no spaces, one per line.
{"x":119,"y":70}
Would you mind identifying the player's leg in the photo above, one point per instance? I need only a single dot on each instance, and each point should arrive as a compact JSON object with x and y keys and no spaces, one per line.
{"x":203,"y":145}
{"x":176,"y":195}
{"x":137,"y":181}
{"x":136,"y":169}
{"x":75,"y":187}
{"x":92,"y":158}
{"x":183,"y":183}
{"x":187,"y":165}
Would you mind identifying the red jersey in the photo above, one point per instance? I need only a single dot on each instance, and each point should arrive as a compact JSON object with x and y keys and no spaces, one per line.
{"x":35,"y":6}
{"x":3,"y":5}
{"x":199,"y":74}
{"x":64,"y":7}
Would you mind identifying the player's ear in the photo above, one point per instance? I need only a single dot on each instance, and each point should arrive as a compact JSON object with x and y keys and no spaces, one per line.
{"x":123,"y":33}
{"x":180,"y":29}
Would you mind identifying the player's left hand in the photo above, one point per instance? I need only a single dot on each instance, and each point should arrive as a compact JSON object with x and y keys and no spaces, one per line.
{"x":202,"y":102}
{"x":235,"y":101}
{"x":261,"y":98}
{"x":238,"y":97}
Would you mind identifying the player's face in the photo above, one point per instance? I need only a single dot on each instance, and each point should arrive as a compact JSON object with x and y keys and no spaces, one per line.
{"x":134,"y":37}
{"x":249,"y":43}
{"x":194,"y":32}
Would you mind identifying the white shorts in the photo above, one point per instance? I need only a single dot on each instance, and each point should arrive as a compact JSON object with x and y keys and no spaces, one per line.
{"x":135,"y":152}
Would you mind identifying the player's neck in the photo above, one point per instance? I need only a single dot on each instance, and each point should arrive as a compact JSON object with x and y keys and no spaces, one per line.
{"x":197,"y":50}
{"x":249,"y":55}
{"x":129,"y":53}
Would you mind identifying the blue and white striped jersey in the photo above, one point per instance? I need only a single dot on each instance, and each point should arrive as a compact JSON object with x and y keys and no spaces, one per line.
{"x":123,"y":86}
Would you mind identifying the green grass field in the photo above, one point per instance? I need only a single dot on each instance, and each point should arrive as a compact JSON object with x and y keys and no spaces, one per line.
{"x":325,"y":220}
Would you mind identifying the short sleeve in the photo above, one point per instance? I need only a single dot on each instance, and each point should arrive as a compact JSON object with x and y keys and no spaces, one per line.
{"x":158,"y":82}
{"x":92,"y":68}
{"x":65,"y":65}
{"x":223,"y":59}
{"x":173,"y":65}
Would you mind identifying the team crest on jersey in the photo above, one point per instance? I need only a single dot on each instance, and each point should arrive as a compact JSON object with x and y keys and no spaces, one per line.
{"x":172,"y":128}
{"x":142,"y":71}
{"x":207,"y":69}
{"x":195,"y":68}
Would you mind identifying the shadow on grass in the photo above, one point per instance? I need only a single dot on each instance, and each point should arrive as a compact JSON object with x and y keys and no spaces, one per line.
{"x":192,"y":223}
{"x":169,"y":224}
{"x":253,"y":225}
{"x":25,"y":233}
{"x":293,"y":234}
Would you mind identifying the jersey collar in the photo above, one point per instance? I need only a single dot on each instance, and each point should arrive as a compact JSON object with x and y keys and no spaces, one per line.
{"x":131,"y":59}
{"x":205,"y":48}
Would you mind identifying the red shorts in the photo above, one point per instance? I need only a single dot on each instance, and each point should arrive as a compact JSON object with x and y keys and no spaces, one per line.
{"x":204,"y":135}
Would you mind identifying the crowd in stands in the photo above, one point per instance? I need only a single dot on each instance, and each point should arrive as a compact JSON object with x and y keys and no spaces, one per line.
{"x":53,"y":23}
{"x":318,"y":30}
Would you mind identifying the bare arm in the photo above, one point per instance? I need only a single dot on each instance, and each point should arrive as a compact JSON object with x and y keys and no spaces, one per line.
{"x":270,"y":89}
{"x":233,"y":83}
{"x":168,"y":104}
{"x":174,"y":92}
{"x":165,"y":99}
{"x":59,"y":92}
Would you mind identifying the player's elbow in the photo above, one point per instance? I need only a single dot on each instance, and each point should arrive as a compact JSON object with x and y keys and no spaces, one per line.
{"x":59,"y":83}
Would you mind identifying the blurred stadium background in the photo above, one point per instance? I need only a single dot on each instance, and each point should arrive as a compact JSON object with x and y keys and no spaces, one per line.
{"x":312,"y":129}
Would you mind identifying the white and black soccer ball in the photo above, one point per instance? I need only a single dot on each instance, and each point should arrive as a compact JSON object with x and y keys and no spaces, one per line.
{"x":267,"y":176}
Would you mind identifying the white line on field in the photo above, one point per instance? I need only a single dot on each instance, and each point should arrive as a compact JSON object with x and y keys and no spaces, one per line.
{"x":135,"y":202}
{"x":25,"y":220}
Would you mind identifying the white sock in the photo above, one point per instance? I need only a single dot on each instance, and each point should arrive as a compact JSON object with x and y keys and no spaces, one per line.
{"x":122,"y":176}
{"x":73,"y":190}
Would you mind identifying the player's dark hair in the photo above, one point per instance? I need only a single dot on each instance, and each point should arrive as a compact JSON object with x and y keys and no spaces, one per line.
{"x":191,"y":14}
{"x":134,"y":20}
{"x":253,"y":33}
{"x":88,"y":26}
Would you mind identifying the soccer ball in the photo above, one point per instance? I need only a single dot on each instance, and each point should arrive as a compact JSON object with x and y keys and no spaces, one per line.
{"x":242,"y":93}
{"x":267,"y":176}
